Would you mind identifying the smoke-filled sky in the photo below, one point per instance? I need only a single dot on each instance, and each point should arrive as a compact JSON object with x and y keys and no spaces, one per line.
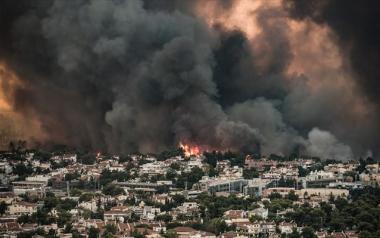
{"x":139,"y":75}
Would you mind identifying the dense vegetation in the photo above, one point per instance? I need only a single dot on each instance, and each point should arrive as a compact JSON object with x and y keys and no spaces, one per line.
{"x":362,"y":213}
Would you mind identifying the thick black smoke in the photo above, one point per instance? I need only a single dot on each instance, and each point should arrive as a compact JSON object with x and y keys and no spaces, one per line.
{"x":117,"y":75}
{"x":357,"y":29}
{"x":143,"y":75}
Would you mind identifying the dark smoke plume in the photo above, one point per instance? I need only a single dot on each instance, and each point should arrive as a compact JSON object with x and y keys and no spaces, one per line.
{"x":135,"y":75}
{"x":357,"y":29}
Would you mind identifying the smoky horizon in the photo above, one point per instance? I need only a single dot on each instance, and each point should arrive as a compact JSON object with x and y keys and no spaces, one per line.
{"x":269,"y":77}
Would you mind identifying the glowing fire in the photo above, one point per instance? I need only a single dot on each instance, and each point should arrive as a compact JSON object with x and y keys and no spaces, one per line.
{"x":8,"y":83}
{"x":13,"y":124}
{"x":242,"y":14}
{"x":190,"y":150}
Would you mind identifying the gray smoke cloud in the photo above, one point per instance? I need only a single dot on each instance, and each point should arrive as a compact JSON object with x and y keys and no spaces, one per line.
{"x":324,"y":145}
{"x":263,"y":114}
{"x":124,"y":76}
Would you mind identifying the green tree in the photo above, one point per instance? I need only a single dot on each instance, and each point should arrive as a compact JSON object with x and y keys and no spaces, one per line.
{"x":171,"y":174}
{"x":178,"y":199}
{"x":195,"y":175}
{"x":3,"y":208}
{"x":87,"y":159}
{"x":170,"y":153}
{"x":274,"y":195}
{"x":302,"y":172}
{"x":216,"y":225}
{"x":22,"y":170}
{"x":212,"y":158}
{"x":85,"y":197}
{"x":41,"y":155}
{"x":175,"y":166}
{"x":108,"y":176}
{"x":365,"y":234}
{"x":72,"y":176}
{"x":110,"y":231}
{"x":25,"y":234}
{"x":190,"y":178}
{"x":113,"y":190}
{"x":68,"y":228}
{"x":75,"y":234}
{"x":164,"y":217}
{"x":50,"y":202}
{"x":93,"y":232}
{"x":340,"y":203}
{"x":212,"y":171}
{"x":171,"y":234}
{"x":64,"y":217}
{"x":51,"y":234}
{"x":136,"y":234}
{"x":351,"y":174}
{"x":292,"y":196}
{"x":250,"y":173}
{"x":308,"y":232}
{"x":124,"y":159}
{"x":294,"y":234}
{"x":67,"y":204}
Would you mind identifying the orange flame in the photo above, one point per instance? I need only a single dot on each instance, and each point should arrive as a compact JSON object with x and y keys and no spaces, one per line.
{"x":8,"y":83}
{"x":14,"y":125}
{"x":190,"y":150}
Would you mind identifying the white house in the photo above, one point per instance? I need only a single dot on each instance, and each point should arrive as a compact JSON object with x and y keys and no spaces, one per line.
{"x":287,"y":227}
{"x":22,"y":208}
{"x":259,"y":212}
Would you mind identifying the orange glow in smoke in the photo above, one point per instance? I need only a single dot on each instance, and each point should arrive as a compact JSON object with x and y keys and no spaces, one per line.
{"x":315,"y":53}
{"x":190,"y":150}
{"x":14,"y":125}
{"x":242,"y":15}
{"x":8,"y":82}
{"x":238,"y":17}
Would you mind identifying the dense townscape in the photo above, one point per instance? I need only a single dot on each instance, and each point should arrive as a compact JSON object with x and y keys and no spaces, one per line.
{"x":189,"y":119}
{"x":185,"y":193}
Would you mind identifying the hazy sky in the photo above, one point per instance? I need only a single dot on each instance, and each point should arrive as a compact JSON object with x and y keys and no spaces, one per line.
{"x":121,"y":76}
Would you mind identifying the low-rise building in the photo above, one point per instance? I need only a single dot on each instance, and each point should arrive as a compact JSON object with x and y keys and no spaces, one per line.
{"x":283,"y":191}
{"x":120,"y":213}
{"x":286,"y":227}
{"x":323,"y":193}
{"x":23,"y":187}
{"x":22,"y":208}
{"x":259,"y":212}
